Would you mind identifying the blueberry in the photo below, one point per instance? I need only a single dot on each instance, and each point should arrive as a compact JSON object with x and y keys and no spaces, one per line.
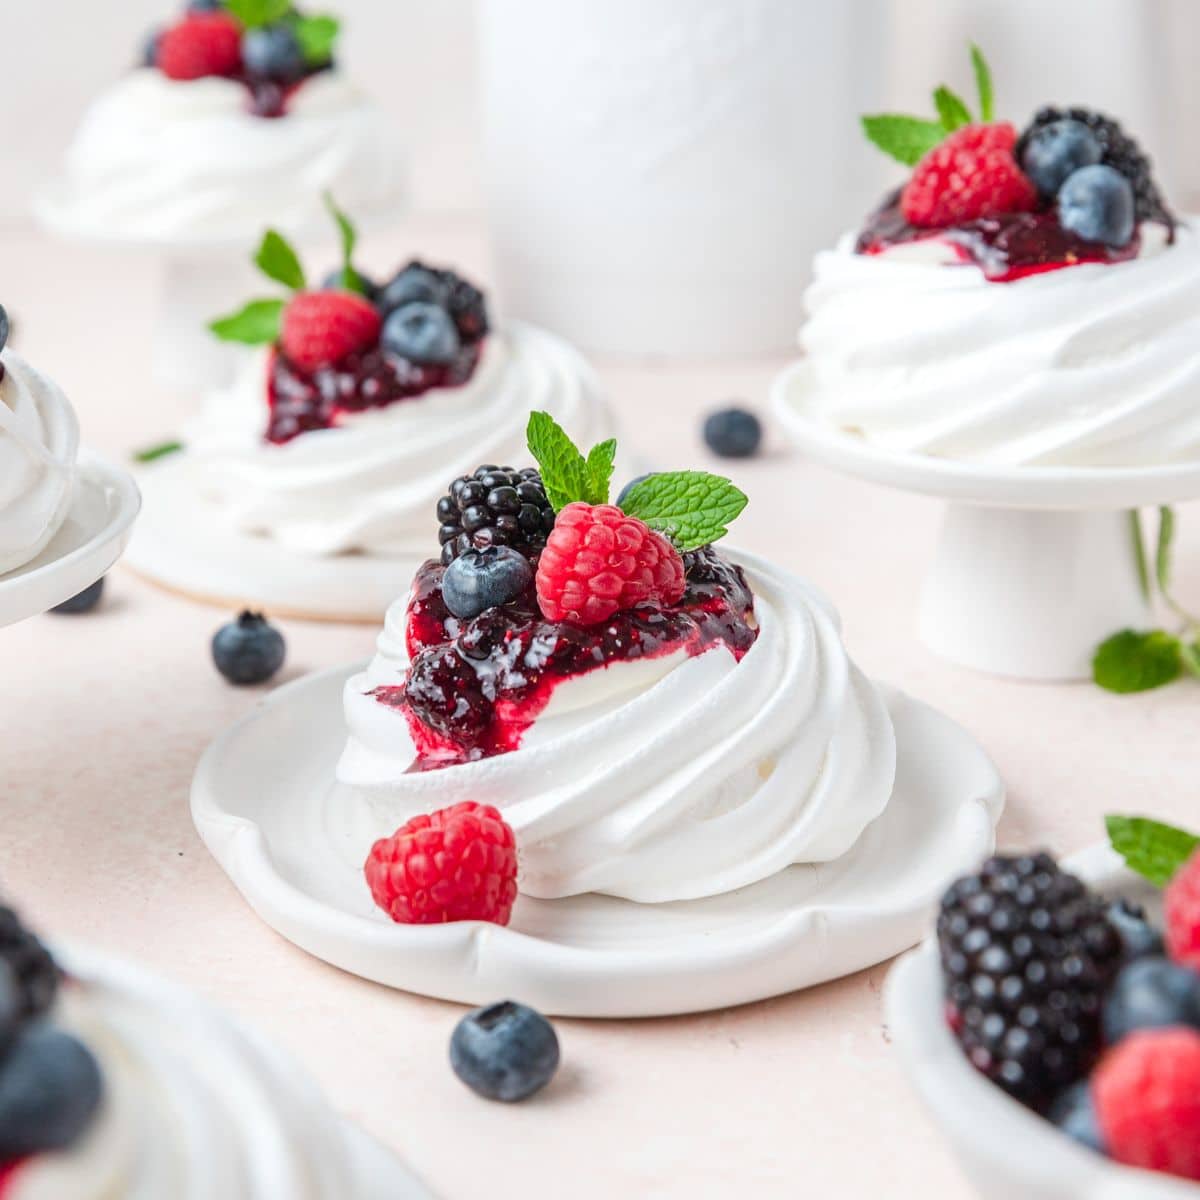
{"x":50,"y":1088}
{"x":1136,"y":932}
{"x":505,"y":1051}
{"x":248,"y":650}
{"x":3,"y":326}
{"x":1075,"y":1114}
{"x":733,"y":433}
{"x":205,"y":5}
{"x":1149,"y":994}
{"x":422,"y":333}
{"x":1054,"y":151}
{"x":1096,"y":203}
{"x":411,"y":283}
{"x":482,"y":579}
{"x":85,"y":601}
{"x":273,"y":52}
{"x":629,"y":488}
{"x":149,"y":55}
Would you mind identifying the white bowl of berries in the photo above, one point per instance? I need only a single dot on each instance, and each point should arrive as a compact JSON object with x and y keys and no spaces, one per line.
{"x":1053,"y":1032}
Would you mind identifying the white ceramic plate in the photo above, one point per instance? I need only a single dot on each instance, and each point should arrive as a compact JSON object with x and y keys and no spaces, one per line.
{"x":983,"y":1125}
{"x":90,"y":541}
{"x":267,"y":805}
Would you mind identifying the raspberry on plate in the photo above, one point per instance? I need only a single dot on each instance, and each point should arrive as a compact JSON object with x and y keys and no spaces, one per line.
{"x":1147,"y":1095}
{"x":322,"y":328}
{"x":202,"y":44}
{"x":972,"y":174}
{"x":456,"y":864}
{"x":1181,"y":911}
{"x":598,"y":562}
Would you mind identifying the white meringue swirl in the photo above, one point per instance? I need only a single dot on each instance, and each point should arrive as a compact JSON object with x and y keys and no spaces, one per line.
{"x":39,"y":441}
{"x":372,"y":483}
{"x":670,"y":780}
{"x":156,"y":159}
{"x":1088,"y":365}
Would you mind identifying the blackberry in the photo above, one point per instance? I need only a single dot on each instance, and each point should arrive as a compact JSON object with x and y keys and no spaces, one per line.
{"x":496,"y":506}
{"x":35,"y":971}
{"x":466,"y":304}
{"x":1120,"y":152}
{"x":1028,"y":954}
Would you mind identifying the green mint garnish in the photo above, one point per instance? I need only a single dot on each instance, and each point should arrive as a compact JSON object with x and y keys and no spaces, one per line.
{"x":1130,"y":661}
{"x":565,"y":473}
{"x":316,"y":36}
{"x":257,"y":324}
{"x":1154,"y":850}
{"x":692,"y":508}
{"x":277,"y":260}
{"x":253,"y":13}
{"x":952,"y":112}
{"x":351,"y":280}
{"x":983,"y":84}
{"x":154,"y":453}
{"x":599,"y":468}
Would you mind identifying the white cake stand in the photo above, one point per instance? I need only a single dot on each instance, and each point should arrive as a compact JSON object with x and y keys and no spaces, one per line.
{"x":1035,"y":566}
{"x":90,"y":541}
{"x":267,"y":805}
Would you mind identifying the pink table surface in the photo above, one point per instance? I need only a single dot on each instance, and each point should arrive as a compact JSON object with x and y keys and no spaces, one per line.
{"x":104,"y":718}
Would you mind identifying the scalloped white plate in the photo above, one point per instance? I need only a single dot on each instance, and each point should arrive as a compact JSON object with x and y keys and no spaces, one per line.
{"x":90,"y":541}
{"x":267,"y":805}
{"x":982,"y":1124}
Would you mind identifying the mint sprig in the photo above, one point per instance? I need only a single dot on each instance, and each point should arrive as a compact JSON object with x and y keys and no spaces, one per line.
{"x":317,"y":35}
{"x":983,"y":84}
{"x":255,"y":324}
{"x":952,"y":111}
{"x":1151,"y":848}
{"x":351,"y":280}
{"x":254,"y":13}
{"x":149,"y":454}
{"x":278,"y":260}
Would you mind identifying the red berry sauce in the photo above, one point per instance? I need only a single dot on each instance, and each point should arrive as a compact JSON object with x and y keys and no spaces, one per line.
{"x":1005,"y":248}
{"x":8,"y":1174}
{"x":474,"y":687}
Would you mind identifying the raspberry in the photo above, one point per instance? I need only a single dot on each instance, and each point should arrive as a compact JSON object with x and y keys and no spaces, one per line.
{"x":971,"y":174}
{"x":598,"y":561}
{"x":322,"y":328}
{"x":457,"y":864}
{"x":203,"y":43}
{"x":1147,"y":1094}
{"x":496,"y":506}
{"x":1181,"y":913}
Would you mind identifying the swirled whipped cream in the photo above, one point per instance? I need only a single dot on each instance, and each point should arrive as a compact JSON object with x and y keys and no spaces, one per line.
{"x":1087,"y":365}
{"x":39,"y":440}
{"x":668,"y":777}
{"x":372,"y":483}
{"x":163,"y":160}
{"x":194,"y":1108}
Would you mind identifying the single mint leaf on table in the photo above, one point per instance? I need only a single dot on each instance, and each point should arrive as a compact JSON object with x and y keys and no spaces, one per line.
{"x":153,"y":453}
{"x":253,"y":13}
{"x":599,"y":464}
{"x":953,"y":112}
{"x":906,"y":139}
{"x":983,"y":84}
{"x":257,"y":324}
{"x":1154,"y":850}
{"x":1130,"y":661}
{"x":564,"y":470}
{"x":317,"y":36}
{"x":692,"y":508}
{"x":277,"y":260}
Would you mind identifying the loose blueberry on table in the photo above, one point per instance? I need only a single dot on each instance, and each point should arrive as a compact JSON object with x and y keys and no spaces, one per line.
{"x":733,"y":433}
{"x":269,"y":46}
{"x":249,"y":650}
{"x":1071,"y":188}
{"x":84,"y":602}
{"x":541,"y":580}
{"x":354,"y":345}
{"x":1066,"y":1000}
{"x":505,"y":1051}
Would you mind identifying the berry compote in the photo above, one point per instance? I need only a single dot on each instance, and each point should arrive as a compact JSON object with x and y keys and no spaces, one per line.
{"x":474,"y":687}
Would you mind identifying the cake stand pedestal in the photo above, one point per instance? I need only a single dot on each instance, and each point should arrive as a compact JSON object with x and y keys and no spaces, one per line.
{"x":1035,"y":566}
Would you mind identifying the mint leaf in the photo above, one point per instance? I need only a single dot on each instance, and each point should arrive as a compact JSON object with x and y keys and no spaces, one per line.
{"x":1137,"y":662}
{"x":1189,"y":655}
{"x":600,"y":461}
{"x":316,"y":36}
{"x":257,"y":324}
{"x":1139,"y":552}
{"x":278,"y":261}
{"x":983,"y":84}
{"x":564,"y":470}
{"x":953,"y":112}
{"x":906,"y":139}
{"x":1154,"y":850}
{"x":1162,"y":553}
{"x":692,"y":508}
{"x":351,"y":280}
{"x":154,"y":453}
{"x":253,"y":13}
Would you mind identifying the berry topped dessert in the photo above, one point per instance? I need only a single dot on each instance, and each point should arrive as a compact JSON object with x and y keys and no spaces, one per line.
{"x":1074,"y":1003}
{"x":600,"y":690}
{"x":237,"y":115}
{"x":364,"y":393}
{"x":39,"y":440}
{"x":1025,"y":296}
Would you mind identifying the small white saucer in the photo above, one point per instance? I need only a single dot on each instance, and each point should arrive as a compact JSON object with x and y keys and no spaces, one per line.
{"x":983,"y":1125}
{"x":91,"y":539}
{"x":267,"y":805}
